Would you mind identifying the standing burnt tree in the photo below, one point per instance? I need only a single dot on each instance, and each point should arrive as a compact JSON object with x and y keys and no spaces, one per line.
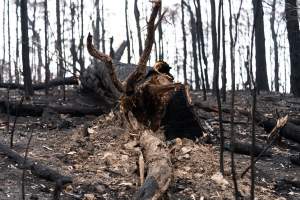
{"x":25,"y":49}
{"x":60,"y":71}
{"x":194,"y":46}
{"x":261,"y":66}
{"x":184,"y":42}
{"x":138,"y":26}
{"x":274,"y":37}
{"x":292,"y":24}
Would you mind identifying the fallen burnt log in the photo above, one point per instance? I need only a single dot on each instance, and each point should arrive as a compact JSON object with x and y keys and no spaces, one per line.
{"x":289,"y":131}
{"x":246,"y":149}
{"x":36,"y":110}
{"x":42,"y":86}
{"x":21,"y":110}
{"x":37,"y":169}
{"x":159,"y":167}
{"x":295,"y":159}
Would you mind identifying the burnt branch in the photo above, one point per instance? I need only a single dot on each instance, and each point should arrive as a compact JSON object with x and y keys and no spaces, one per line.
{"x":107,"y":60}
{"x":141,"y":68}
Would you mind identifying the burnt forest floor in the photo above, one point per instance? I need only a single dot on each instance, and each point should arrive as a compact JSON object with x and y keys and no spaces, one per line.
{"x":104,"y":163}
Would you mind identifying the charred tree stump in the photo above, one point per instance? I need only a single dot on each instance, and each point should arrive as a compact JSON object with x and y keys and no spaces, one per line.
{"x":151,"y":98}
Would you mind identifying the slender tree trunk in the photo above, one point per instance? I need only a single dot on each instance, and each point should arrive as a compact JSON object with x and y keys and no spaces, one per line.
{"x":81,"y":54}
{"x":36,"y":40}
{"x":138,"y":27}
{"x":274,"y":37}
{"x":4,"y":45}
{"x":8,"y":34}
{"x":232,"y":131}
{"x":103,"y":29}
{"x":127,"y":33}
{"x":17,"y":76}
{"x":47,"y":70}
{"x":160,"y":39}
{"x":214,"y":44}
{"x":199,"y":29}
{"x":25,"y":50}
{"x":97,"y":27}
{"x":184,"y":42}
{"x":60,"y":71}
{"x":224,"y":79}
{"x":73,"y":46}
{"x":294,"y":42}
{"x":194,"y":46}
{"x":201,"y":36}
{"x":261,"y":68}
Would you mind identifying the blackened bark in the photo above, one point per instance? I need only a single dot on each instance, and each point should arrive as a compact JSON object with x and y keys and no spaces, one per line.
{"x":160,"y":39}
{"x":214,"y":44}
{"x":138,"y":27}
{"x":81,"y":56}
{"x":294,"y":42}
{"x":97,"y":27}
{"x":8,"y":34}
{"x":17,"y":76}
{"x":194,"y":46}
{"x":184,"y":43}
{"x":25,"y":49}
{"x":73,"y":46}
{"x":60,"y":70}
{"x":224,"y":80}
{"x":103,"y":29}
{"x":47,"y":70}
{"x":274,"y":37}
{"x":261,"y":66}
{"x":4,"y":46}
{"x":201,"y":35}
{"x":127,"y":33}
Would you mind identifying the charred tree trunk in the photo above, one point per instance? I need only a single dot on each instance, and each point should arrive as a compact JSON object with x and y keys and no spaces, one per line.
{"x":127,"y":33}
{"x":97,"y":26}
{"x":138,"y":27}
{"x":17,"y":76}
{"x":294,"y":42}
{"x":214,"y":44}
{"x":103,"y":29}
{"x":47,"y":69}
{"x":4,"y":46}
{"x":274,"y":37}
{"x":25,"y":50}
{"x":184,"y":43}
{"x":160,"y":40}
{"x":60,"y":68}
{"x":201,"y":36}
{"x":261,"y":66}
{"x":224,"y":79}
{"x":194,"y":46}
{"x":73,"y":46}
{"x":81,"y":55}
{"x":8,"y":35}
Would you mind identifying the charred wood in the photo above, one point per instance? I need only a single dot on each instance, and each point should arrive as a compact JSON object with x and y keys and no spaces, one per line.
{"x":37,"y":169}
{"x":42,"y":86}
